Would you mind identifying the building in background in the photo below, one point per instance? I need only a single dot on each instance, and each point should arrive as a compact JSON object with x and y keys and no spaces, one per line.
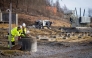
{"x":4,"y":18}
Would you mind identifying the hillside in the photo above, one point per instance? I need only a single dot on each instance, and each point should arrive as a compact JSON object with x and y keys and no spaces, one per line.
{"x":31,"y":19}
{"x":31,"y":10}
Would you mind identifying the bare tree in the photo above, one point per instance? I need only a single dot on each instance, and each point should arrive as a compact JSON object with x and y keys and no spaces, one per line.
{"x":28,"y":6}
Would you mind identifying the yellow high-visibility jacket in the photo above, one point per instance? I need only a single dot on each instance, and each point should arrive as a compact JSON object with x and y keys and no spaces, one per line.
{"x":22,"y":31}
{"x":14,"y":33}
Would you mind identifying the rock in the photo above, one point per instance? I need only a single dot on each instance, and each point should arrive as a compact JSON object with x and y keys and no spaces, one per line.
{"x":79,"y":36}
{"x":64,"y":37}
{"x":90,"y":42}
{"x":2,"y":54}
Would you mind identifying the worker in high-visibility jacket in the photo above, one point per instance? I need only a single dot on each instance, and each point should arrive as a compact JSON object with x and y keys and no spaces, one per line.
{"x":14,"y":33}
{"x":23,"y":30}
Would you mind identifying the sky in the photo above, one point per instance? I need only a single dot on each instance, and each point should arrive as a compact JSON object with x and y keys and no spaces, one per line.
{"x":71,"y":4}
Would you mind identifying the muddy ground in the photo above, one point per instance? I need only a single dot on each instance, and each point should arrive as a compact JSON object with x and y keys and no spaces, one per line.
{"x":60,"y":48}
{"x":55,"y":50}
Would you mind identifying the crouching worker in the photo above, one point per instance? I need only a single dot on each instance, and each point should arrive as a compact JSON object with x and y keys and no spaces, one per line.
{"x":14,"y":33}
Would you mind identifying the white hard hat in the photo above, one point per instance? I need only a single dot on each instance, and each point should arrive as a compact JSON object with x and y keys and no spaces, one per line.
{"x":20,"y":26}
{"x":24,"y":25}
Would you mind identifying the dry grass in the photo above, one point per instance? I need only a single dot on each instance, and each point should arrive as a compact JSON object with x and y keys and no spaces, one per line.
{"x":32,"y":19}
{"x":6,"y":25}
{"x":43,"y":32}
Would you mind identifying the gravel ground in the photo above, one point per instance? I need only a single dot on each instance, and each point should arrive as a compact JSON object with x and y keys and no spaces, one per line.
{"x":68,"y":49}
{"x":61,"y":50}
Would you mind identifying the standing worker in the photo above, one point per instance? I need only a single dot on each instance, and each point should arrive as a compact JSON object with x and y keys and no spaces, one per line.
{"x":14,"y":33}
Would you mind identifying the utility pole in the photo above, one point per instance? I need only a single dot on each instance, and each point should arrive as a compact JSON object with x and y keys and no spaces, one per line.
{"x":84,"y":13}
{"x":76,"y":11}
{"x":80,"y":12}
{"x":10,"y":22}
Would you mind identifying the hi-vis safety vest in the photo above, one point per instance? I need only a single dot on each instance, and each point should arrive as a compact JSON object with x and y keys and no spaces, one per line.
{"x":14,"y":33}
{"x":22,"y":31}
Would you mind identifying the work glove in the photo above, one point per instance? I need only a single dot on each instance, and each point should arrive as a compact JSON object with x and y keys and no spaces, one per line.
{"x":22,"y":35}
{"x":19,"y":37}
